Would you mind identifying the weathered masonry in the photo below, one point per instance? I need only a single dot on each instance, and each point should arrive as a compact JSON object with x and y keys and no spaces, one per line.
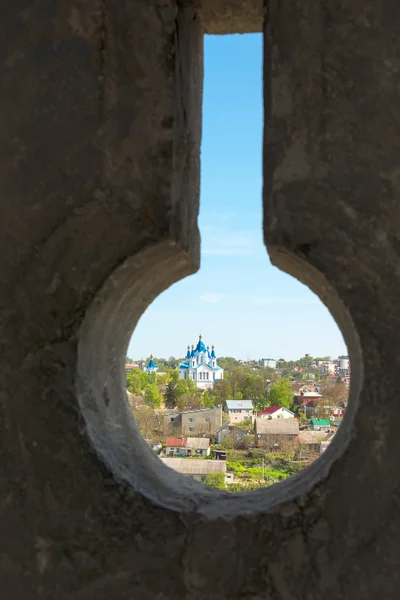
{"x":99,"y":172}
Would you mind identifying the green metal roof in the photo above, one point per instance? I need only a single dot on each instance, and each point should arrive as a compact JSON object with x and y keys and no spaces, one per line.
{"x":321,"y":422}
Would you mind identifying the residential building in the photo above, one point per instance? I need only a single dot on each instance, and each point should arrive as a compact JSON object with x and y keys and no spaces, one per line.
{"x":344,"y":366}
{"x":198,"y":446}
{"x":155,"y":445}
{"x":187,"y":446}
{"x":200,"y":422}
{"x":307,"y":393}
{"x":327,"y":367}
{"x":311,"y":440}
{"x":151,"y":367}
{"x":201,"y":366}
{"x":276,"y":434}
{"x":275,"y":412}
{"x":235,"y":433}
{"x":197,"y":469}
{"x":268,"y":362}
{"x":308,"y":397}
{"x":176,"y":447}
{"x":131,"y":367}
{"x":338,"y":412}
{"x":239,"y":410}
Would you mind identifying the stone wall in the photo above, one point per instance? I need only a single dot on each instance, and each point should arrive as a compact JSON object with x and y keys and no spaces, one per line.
{"x":99,"y":170}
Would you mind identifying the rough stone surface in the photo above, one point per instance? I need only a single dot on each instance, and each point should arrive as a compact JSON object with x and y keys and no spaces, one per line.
{"x":99,"y":169}
{"x":232,"y":16}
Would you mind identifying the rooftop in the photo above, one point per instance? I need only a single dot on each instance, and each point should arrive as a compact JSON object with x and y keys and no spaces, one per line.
{"x":311,"y":437}
{"x":195,"y":410}
{"x":321,"y":422}
{"x":270,"y":410}
{"x":195,"y":466}
{"x":277,"y":426}
{"x":175,"y":442}
{"x":246,"y":404}
{"x":198,"y":443}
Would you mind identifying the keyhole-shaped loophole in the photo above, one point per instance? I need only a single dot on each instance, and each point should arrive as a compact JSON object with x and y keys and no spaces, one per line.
{"x":237,"y":376}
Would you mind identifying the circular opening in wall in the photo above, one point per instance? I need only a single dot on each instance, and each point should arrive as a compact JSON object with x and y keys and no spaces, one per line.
{"x":260,"y":410}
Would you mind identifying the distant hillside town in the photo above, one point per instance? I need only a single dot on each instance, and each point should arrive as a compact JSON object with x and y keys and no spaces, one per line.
{"x":243,"y":424}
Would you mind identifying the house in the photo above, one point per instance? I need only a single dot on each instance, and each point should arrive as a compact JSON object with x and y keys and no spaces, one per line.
{"x":308,"y":397}
{"x":200,"y":422}
{"x":176,"y":447}
{"x":338,"y":412}
{"x":302,"y":397}
{"x":154,"y":445}
{"x":197,"y":469}
{"x":239,"y":410}
{"x":311,"y":440}
{"x":235,"y":433}
{"x":275,"y":412}
{"x":320,"y":424}
{"x":276,"y":434}
{"x":198,"y":446}
{"x":200,"y":365}
{"x":131,"y":366}
{"x":187,"y":446}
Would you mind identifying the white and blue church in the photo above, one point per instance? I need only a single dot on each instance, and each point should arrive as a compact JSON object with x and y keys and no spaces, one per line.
{"x":201,"y":366}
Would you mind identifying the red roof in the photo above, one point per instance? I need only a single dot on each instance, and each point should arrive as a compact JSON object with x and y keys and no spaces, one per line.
{"x":176,"y":442}
{"x":270,"y":410}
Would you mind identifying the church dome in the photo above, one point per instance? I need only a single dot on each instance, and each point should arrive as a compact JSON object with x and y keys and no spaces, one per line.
{"x":152,"y":364}
{"x":200,"y":345}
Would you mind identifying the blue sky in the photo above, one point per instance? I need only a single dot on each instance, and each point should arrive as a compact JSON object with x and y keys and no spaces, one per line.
{"x":238,"y":300}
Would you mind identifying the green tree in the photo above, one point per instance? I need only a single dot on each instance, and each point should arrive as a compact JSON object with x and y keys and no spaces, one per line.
{"x":227,"y":362}
{"x":148,"y":421}
{"x":173,"y":375}
{"x":186,"y":386}
{"x":207,"y":400}
{"x":171,"y":395}
{"x":215,"y":480}
{"x":136,"y":380}
{"x":190,"y":401}
{"x":281,"y":393}
{"x":222,"y":391}
{"x":152,"y":396}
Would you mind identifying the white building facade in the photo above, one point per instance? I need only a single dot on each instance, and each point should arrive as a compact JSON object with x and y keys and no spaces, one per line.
{"x":201,"y":366}
{"x":344,"y":366}
{"x":268,"y":362}
{"x":327,"y":367}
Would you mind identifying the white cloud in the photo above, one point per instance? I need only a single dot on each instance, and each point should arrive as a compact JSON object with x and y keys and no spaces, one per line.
{"x":211,"y":297}
{"x":260,"y":300}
